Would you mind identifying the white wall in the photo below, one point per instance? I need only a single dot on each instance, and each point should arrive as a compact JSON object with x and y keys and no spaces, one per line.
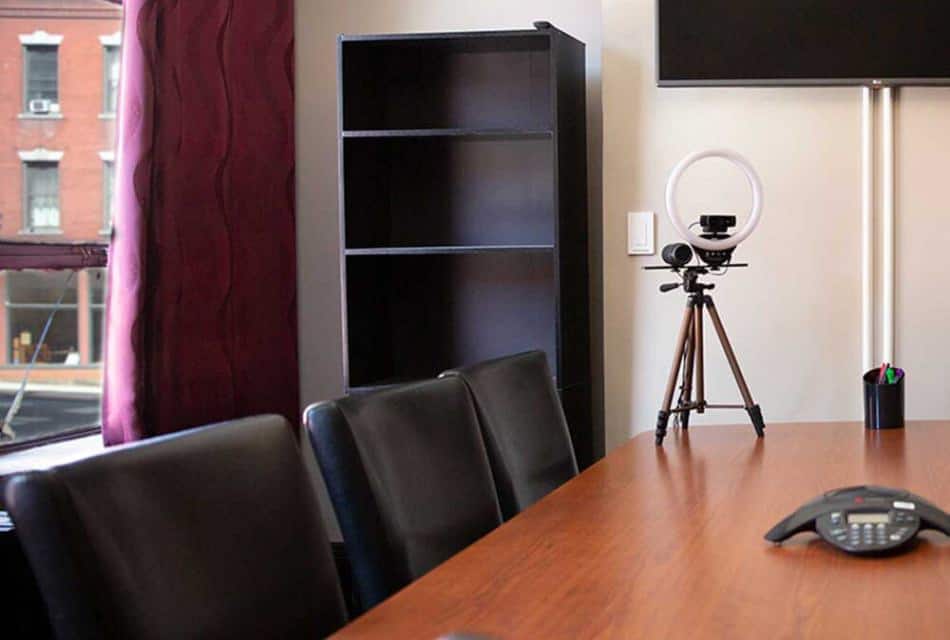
{"x":794,"y":316}
{"x":922,"y":313}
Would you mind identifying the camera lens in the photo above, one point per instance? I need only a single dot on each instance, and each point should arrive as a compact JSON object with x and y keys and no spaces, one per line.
{"x":677,"y":255}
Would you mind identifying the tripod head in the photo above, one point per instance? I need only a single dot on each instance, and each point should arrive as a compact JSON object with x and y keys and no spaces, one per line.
{"x":690,"y":282}
{"x":690,"y":277}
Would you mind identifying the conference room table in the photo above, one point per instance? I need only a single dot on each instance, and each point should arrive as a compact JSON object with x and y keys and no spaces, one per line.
{"x":667,"y":542}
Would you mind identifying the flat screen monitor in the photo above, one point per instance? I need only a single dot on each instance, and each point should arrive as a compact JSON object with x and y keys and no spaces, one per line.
{"x":803,"y":42}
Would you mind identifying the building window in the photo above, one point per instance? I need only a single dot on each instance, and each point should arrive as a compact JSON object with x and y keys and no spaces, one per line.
{"x":41,"y":80}
{"x":31,"y":297}
{"x":41,"y":74}
{"x":97,"y":313}
{"x":41,"y":196}
{"x":110,"y":85}
{"x":108,"y":189}
{"x":63,"y":393}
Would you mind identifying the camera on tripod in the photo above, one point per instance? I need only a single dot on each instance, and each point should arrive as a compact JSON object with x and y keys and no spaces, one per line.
{"x":715,"y":227}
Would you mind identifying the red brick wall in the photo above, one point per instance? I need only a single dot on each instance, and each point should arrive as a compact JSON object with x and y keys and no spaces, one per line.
{"x":81,"y":133}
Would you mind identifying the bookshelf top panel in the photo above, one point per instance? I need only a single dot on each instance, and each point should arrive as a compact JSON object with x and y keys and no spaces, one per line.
{"x":492,"y":82}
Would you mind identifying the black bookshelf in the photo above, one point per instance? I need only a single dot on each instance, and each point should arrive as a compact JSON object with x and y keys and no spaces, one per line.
{"x":464,"y":207}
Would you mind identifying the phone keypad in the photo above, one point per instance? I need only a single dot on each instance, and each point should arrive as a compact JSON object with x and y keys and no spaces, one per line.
{"x":868,"y":537}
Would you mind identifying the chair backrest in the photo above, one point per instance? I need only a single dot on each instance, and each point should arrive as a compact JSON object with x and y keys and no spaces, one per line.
{"x":211,"y":533}
{"x":409,"y":478}
{"x":525,"y":430}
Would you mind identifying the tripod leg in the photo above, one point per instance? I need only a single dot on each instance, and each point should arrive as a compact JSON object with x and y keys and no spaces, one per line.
{"x":754,"y":411}
{"x":663,"y":417}
{"x":758,"y":422}
{"x":698,"y":349}
{"x":686,"y":394}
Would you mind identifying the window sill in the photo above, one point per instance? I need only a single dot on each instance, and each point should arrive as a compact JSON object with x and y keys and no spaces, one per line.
{"x":107,"y":116}
{"x":50,"y":365}
{"x":41,"y":232}
{"x":33,"y":455}
{"x":40,"y":116}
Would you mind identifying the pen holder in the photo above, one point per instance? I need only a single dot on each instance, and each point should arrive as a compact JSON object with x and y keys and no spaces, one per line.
{"x":883,"y":403}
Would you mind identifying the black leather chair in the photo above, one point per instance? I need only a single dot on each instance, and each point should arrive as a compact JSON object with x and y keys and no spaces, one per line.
{"x":210,"y":533}
{"x":525,"y":430}
{"x":409,"y":478}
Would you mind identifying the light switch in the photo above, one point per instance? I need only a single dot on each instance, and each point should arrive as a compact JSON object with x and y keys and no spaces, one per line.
{"x":640,"y":234}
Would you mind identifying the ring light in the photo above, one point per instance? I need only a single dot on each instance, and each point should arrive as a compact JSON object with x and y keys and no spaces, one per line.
{"x":673,"y":211}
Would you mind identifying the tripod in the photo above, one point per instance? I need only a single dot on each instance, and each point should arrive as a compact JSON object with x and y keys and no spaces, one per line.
{"x":689,"y":358}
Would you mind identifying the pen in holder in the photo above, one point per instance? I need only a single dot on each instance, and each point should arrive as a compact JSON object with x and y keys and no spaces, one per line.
{"x":883,"y":401}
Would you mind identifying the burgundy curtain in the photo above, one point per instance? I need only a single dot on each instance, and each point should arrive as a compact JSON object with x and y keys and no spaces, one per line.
{"x":201,"y":311}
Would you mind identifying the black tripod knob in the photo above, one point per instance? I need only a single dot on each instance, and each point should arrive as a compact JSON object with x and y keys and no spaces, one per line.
{"x":664,"y":288}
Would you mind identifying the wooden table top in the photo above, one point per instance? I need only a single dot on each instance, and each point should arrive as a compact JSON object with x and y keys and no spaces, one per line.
{"x":667,"y":543}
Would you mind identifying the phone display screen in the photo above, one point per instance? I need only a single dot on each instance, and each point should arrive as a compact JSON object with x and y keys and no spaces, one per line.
{"x":868,"y":518}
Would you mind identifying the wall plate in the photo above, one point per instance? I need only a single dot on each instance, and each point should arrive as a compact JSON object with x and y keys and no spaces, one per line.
{"x":641,"y":233}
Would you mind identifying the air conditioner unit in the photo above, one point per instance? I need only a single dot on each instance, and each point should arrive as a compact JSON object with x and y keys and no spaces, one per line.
{"x":40,"y":106}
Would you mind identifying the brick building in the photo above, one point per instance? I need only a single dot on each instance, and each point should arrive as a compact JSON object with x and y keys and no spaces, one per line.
{"x":59,"y":64}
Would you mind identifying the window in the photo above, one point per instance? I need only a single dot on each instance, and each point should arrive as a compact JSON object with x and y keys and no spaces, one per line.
{"x":41,"y":196}
{"x":64,"y":389}
{"x":108,"y":187}
{"x":110,"y":85}
{"x":65,"y":206}
{"x":40,"y":74}
{"x":31,"y":296}
{"x":41,"y":79}
{"x":97,"y":312}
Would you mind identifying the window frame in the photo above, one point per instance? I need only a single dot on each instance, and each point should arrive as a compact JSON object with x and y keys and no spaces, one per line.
{"x":111,"y":43}
{"x":38,"y":38}
{"x":95,"y":358}
{"x":55,"y":256}
{"x":32,"y":158}
{"x":108,"y":191}
{"x":41,"y":306}
{"x":36,"y":253}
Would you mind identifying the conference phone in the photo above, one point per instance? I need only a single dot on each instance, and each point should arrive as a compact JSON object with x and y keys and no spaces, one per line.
{"x":864,"y":520}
